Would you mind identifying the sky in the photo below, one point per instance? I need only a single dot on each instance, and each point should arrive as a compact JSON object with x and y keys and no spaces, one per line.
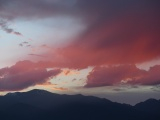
{"x":104,"y":48}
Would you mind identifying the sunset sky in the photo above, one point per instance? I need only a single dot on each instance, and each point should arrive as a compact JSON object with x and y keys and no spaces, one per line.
{"x":105,"y":48}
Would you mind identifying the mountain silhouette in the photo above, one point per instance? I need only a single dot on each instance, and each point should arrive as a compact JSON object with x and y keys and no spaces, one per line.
{"x":43,"y":105}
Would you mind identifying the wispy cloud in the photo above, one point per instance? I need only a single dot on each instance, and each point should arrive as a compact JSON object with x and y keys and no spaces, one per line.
{"x":37,"y":55}
{"x":4,"y":26}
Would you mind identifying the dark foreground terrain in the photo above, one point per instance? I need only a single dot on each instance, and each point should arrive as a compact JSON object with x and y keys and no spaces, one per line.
{"x":43,"y":105}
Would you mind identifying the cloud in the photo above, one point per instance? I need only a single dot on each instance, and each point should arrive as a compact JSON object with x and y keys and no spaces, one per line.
{"x":114,"y":29}
{"x":3,"y":71}
{"x":33,"y":9}
{"x":37,"y":55}
{"x":122,"y":74}
{"x":17,"y":33}
{"x":60,"y":88}
{"x":4,"y":26}
{"x":21,"y":45}
{"x":66,"y":72}
{"x":87,"y":9}
{"x":116,"y":33}
{"x":23,"y":75}
{"x":25,"y":44}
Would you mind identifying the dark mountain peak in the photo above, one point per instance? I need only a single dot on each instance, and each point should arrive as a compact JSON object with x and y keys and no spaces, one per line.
{"x":147,"y":102}
{"x":39,"y":92}
{"x":151,"y":100}
{"x":34,"y":92}
{"x":12,"y":94}
{"x":150,"y":106}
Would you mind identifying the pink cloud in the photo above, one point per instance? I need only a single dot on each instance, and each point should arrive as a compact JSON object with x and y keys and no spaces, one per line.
{"x":123,"y":74}
{"x":23,"y":75}
{"x":125,"y":35}
{"x":115,"y":33}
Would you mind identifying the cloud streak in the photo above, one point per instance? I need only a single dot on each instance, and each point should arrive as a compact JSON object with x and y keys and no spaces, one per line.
{"x":4,"y":27}
{"x":37,"y":55}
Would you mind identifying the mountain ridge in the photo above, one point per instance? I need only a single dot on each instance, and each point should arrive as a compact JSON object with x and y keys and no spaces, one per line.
{"x":40,"y":104}
{"x":40,"y":91}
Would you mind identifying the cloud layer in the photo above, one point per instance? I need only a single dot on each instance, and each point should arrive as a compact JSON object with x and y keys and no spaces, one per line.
{"x":117,"y":32}
{"x":120,"y":34}
{"x":123,"y":74}
{"x":23,"y":75}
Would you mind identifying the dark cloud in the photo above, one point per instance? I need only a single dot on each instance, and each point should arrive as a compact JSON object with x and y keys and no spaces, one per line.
{"x":85,"y":8}
{"x":4,"y":26}
{"x":118,"y":89}
{"x":74,"y":79}
{"x":36,"y":55}
{"x":25,"y":44}
{"x":23,"y":75}
{"x":17,"y":33}
{"x":151,"y":78}
{"x":123,"y":74}
{"x":34,"y":9}
{"x":28,"y":45}
{"x":21,"y":45}
{"x":3,"y":71}
{"x":156,"y":88}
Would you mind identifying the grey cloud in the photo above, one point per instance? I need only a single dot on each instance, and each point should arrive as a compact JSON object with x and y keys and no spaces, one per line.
{"x":4,"y":26}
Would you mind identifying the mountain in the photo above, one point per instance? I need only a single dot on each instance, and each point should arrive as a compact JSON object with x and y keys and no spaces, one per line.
{"x":150,"y":106}
{"x":43,"y":105}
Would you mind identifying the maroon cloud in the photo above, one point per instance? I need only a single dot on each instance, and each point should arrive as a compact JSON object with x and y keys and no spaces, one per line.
{"x":23,"y":75}
{"x":123,"y":74}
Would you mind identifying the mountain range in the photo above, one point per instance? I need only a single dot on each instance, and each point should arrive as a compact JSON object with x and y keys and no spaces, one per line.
{"x":43,"y":105}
